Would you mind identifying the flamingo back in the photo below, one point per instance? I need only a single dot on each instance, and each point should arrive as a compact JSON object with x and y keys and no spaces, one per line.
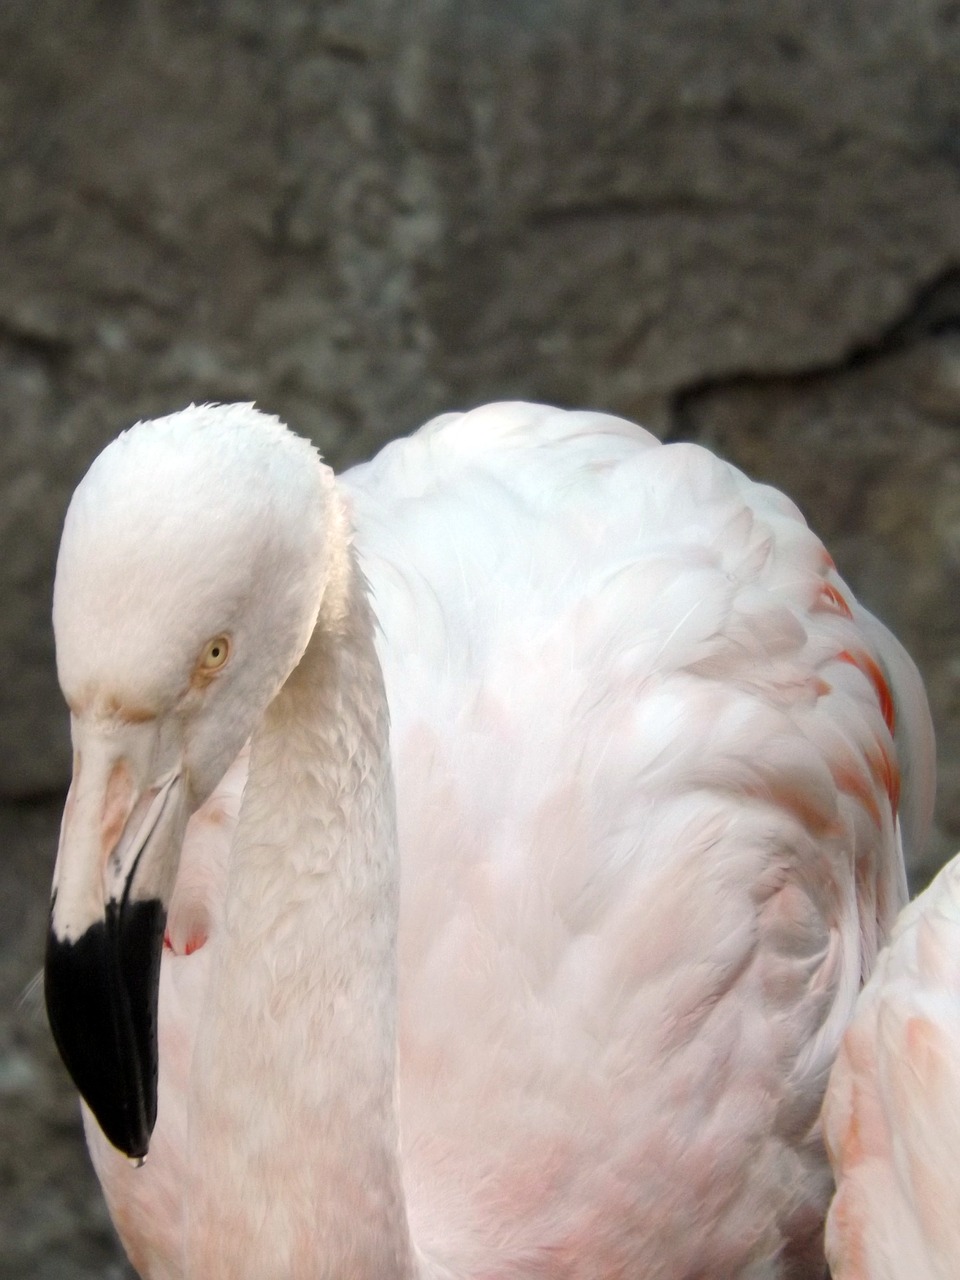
{"x":647,"y":793}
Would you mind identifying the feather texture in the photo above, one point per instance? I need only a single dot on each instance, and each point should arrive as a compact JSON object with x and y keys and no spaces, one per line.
{"x":891,"y":1118}
{"x":648,"y":757}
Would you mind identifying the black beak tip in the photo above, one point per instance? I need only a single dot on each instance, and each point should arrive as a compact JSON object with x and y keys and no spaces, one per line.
{"x":101,"y":993}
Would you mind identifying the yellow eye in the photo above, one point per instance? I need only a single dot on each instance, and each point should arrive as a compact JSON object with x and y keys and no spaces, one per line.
{"x":215,"y":654}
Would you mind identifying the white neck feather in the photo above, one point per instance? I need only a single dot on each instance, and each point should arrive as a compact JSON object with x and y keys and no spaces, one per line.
{"x":300,"y":1016}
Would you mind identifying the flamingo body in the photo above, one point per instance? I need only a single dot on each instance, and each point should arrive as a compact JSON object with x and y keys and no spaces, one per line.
{"x":891,"y":1118}
{"x":650,"y":761}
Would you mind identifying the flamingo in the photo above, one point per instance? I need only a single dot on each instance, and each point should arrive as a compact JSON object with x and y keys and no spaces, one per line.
{"x":471,"y":863}
{"x":890,"y":1116}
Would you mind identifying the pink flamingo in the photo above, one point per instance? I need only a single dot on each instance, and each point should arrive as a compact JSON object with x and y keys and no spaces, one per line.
{"x":522,"y":941}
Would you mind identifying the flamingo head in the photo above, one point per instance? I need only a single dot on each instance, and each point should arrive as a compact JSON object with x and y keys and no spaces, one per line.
{"x":193,"y":562}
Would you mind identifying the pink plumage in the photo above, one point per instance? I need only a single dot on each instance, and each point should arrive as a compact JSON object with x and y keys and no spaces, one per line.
{"x":891,"y":1119}
{"x":654,"y":767}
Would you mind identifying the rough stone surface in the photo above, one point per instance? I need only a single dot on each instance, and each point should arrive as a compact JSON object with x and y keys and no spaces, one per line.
{"x":738,"y":222}
{"x":362,"y":213}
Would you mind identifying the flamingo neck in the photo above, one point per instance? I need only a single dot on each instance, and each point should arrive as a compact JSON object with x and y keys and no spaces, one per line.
{"x":293,"y":1124}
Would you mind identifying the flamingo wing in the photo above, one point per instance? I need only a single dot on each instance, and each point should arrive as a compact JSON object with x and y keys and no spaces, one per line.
{"x":649,"y":769}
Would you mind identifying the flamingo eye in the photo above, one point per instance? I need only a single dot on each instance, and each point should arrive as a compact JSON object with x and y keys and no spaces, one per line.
{"x":215,"y":654}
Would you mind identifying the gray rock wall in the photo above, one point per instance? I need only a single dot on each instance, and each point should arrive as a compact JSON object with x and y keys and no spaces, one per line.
{"x":362,"y":213}
{"x":735,"y":220}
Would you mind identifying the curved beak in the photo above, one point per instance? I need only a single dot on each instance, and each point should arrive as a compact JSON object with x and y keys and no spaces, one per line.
{"x":116,"y":865}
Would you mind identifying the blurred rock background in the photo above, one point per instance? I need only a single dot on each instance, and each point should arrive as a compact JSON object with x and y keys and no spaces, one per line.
{"x":737,"y":221}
